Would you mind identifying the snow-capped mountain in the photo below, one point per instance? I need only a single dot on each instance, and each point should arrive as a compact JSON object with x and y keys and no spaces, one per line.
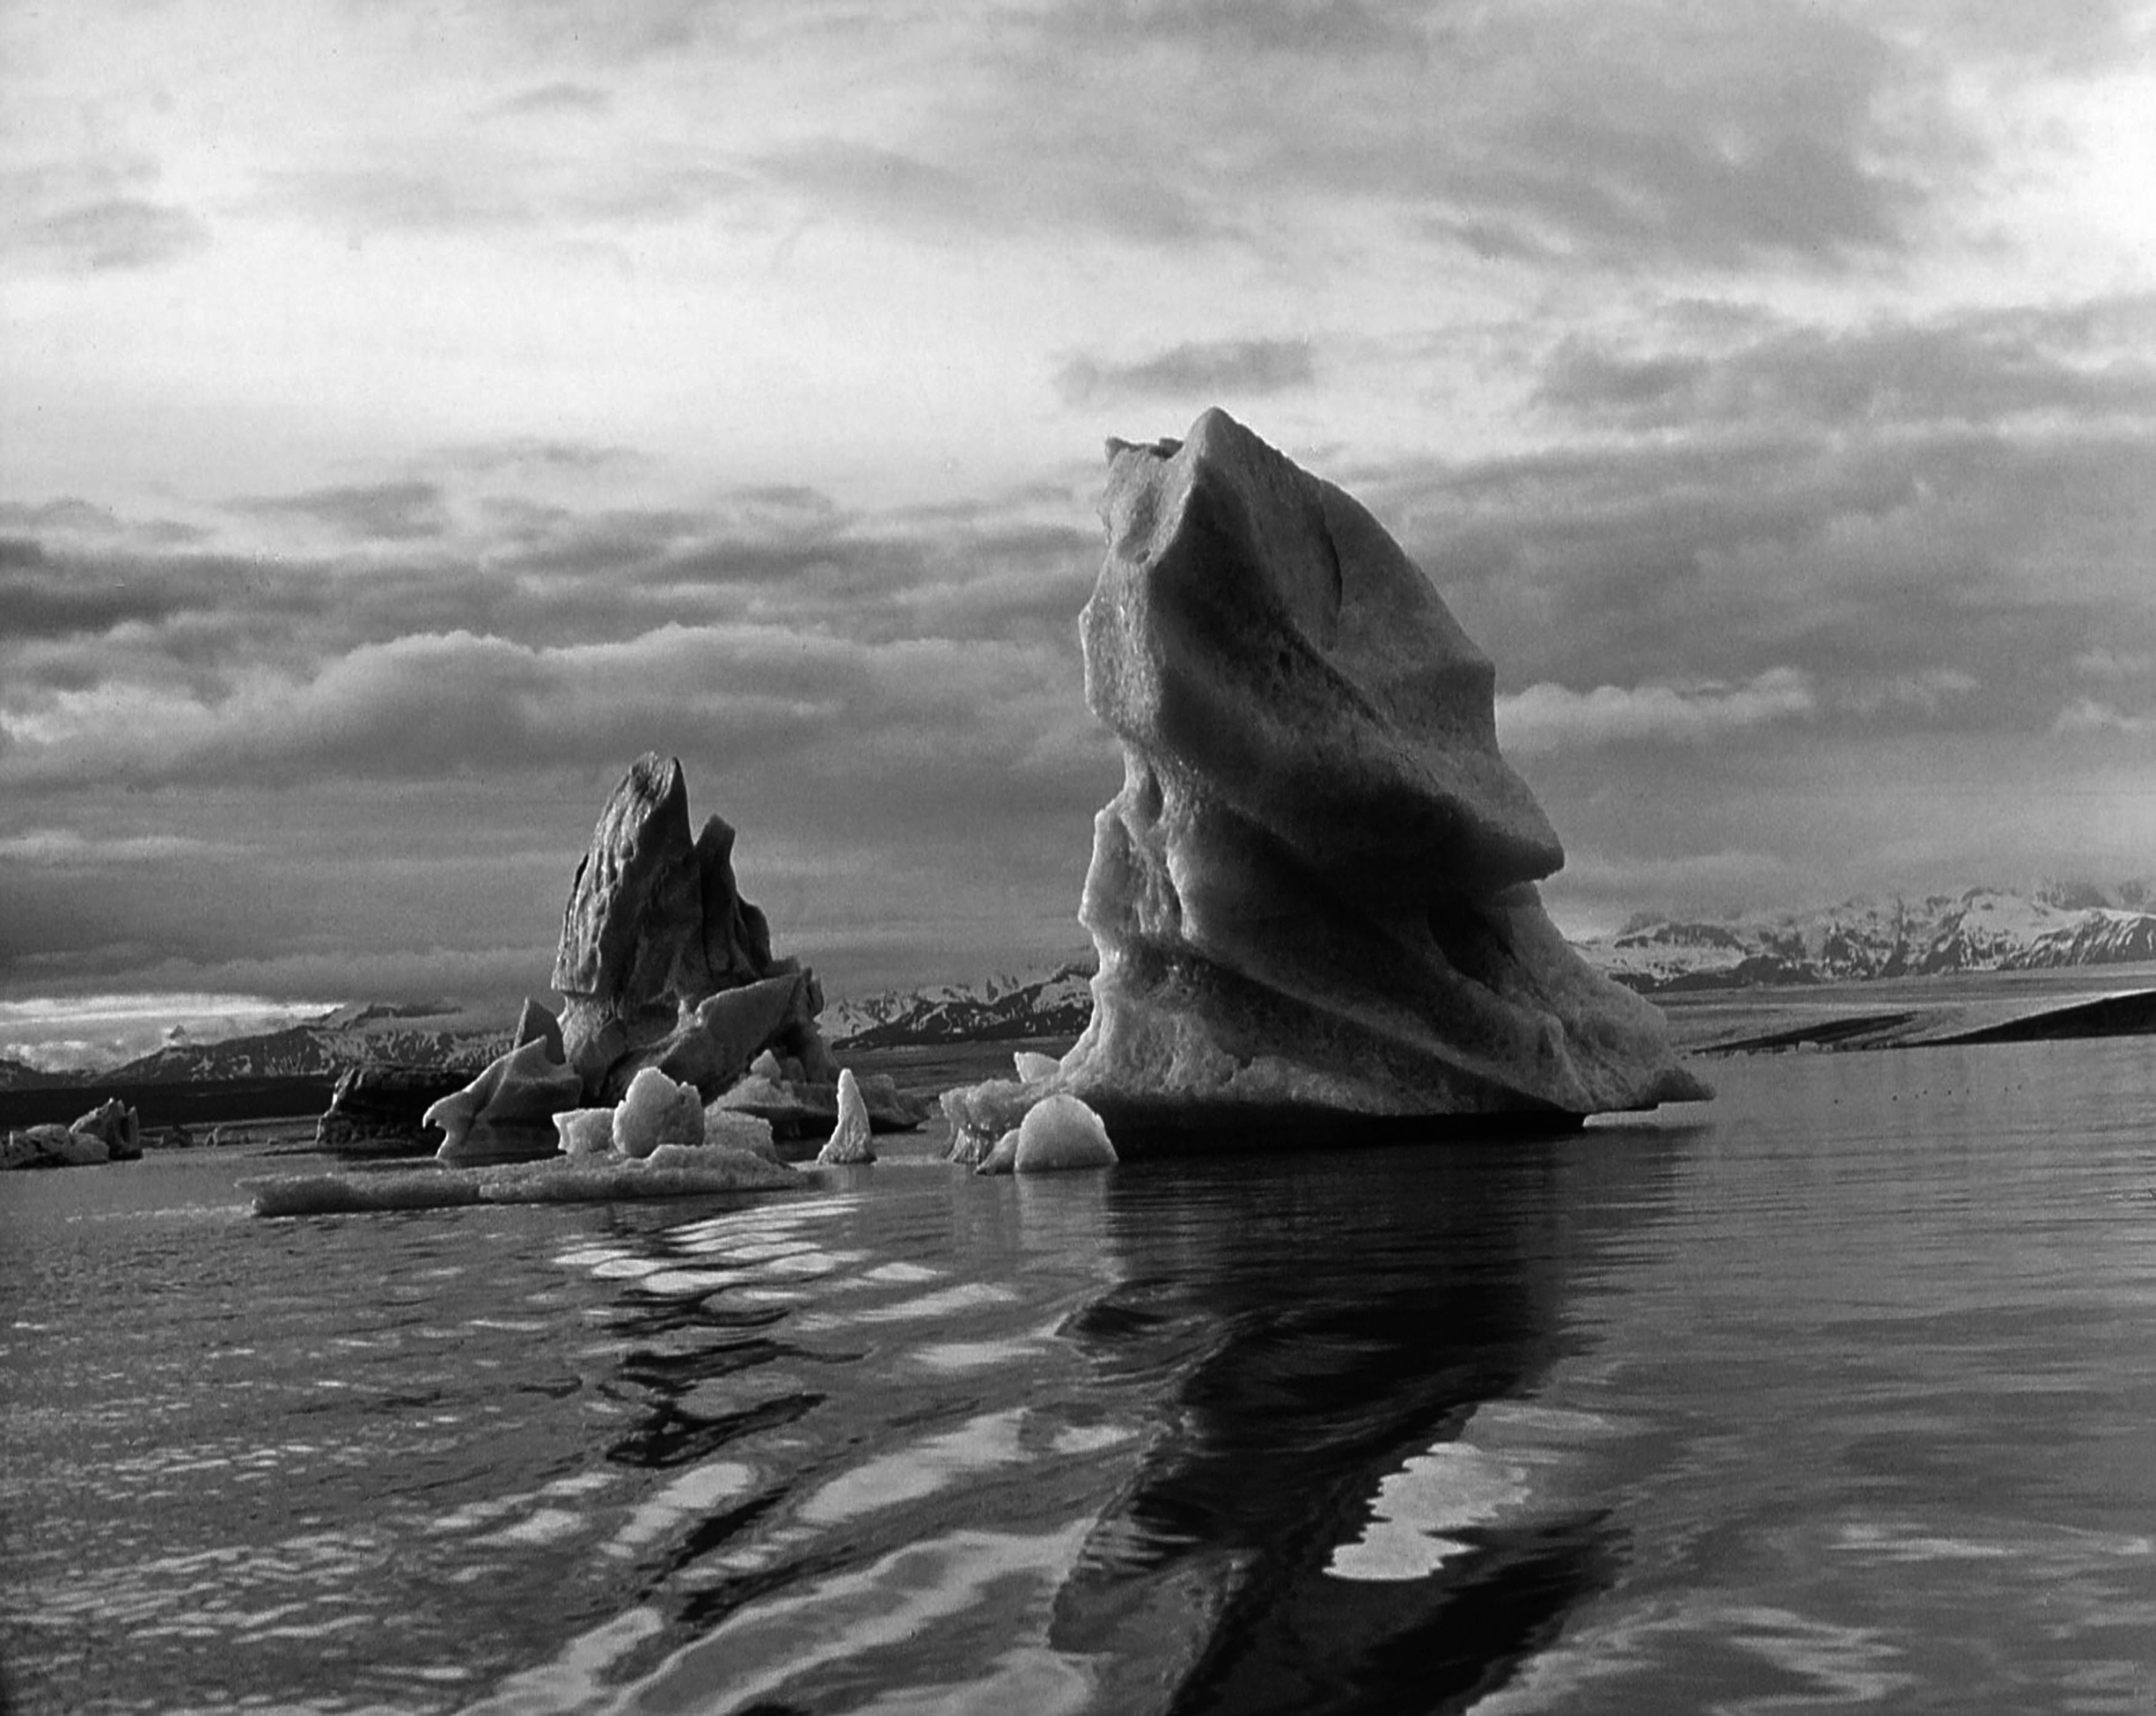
{"x":1984,"y":929}
{"x":14,"y":1074}
{"x":367,"y":1035}
{"x":2047,"y":926}
{"x":1000,"y":1009}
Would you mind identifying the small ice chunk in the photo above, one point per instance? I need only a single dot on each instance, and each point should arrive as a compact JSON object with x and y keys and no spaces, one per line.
{"x":766,"y":1066}
{"x":849,"y":1139}
{"x":656,"y":1111}
{"x":1033,"y":1067}
{"x":696,"y":1156}
{"x":585,"y":1132}
{"x":732,"y":1130}
{"x":1061,"y":1132}
{"x":1002,"y":1155}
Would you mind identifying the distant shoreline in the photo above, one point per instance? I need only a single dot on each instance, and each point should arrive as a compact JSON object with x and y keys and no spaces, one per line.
{"x":172,"y":1102}
{"x":1958,"y":1011}
{"x":1925,"y":1012}
{"x":928,"y":1068}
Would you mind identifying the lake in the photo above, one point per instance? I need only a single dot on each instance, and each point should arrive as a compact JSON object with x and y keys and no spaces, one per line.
{"x":1840,"y":1391}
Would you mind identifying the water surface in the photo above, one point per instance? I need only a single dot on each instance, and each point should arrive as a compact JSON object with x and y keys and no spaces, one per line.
{"x":1838,"y":1391}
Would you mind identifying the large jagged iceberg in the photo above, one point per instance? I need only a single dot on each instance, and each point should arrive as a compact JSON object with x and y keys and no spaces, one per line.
{"x":665,"y":974}
{"x":1313,"y":898}
{"x":662,"y":962}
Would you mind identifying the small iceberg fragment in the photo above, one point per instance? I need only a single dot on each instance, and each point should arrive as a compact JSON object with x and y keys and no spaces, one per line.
{"x":506,"y":1113}
{"x":673,"y":1171}
{"x":726,"y":1129}
{"x":1034,"y":1067}
{"x":585,"y":1132}
{"x":1001,"y":1157}
{"x":849,"y":1138}
{"x":655,"y":1111}
{"x":1058,"y":1133}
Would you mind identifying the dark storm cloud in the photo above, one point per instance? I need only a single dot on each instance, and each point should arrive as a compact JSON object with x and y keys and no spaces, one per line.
{"x":1910,"y":578}
{"x":44,"y":597}
{"x":1195,"y":370}
{"x":1974,"y":367}
{"x":345,"y":659}
{"x":72,"y":520}
{"x":1950,"y":576}
{"x":1634,"y":186}
{"x":789,"y":555}
{"x":402,"y":511}
{"x":770,"y":617}
{"x":1966,"y":494}
{"x":929,"y":776}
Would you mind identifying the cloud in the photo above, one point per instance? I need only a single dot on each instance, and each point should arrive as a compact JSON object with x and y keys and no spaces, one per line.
{"x":1868,"y":555}
{"x":53,"y":847}
{"x":1197,"y":371}
{"x":400,"y":511}
{"x":558,"y":100}
{"x":490,"y":189}
{"x":121,"y":232}
{"x":71,"y":523}
{"x":2111,"y":666}
{"x":1978,"y":367}
{"x":512,"y":600}
{"x":1630,"y":139}
{"x":434,"y":705}
{"x":1550,"y":718}
{"x":887,"y":704}
{"x":888,"y":184}
{"x":95,"y":214}
{"x":457,"y":195}
{"x":45,"y":596}
{"x":1626,"y":136}
{"x":1927,"y":692}
{"x":1734,"y":873}
{"x":2086,"y":714}
{"x":532,"y":454}
{"x":1597,"y":892}
{"x":46,"y":1031}
{"x":1297,"y":30}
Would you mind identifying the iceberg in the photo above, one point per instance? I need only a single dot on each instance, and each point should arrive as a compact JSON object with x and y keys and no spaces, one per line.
{"x":1314,"y":898}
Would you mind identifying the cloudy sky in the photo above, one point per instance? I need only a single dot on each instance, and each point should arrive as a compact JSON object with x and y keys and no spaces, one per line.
{"x":411,"y":412}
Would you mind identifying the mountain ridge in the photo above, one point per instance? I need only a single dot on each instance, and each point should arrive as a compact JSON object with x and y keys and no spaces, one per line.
{"x":2050,"y":925}
{"x":1000,"y":1008}
{"x":361,"y":1034}
{"x":2047,"y":926}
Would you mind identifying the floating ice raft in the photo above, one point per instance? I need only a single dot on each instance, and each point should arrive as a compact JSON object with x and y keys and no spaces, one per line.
{"x":668,"y":1172}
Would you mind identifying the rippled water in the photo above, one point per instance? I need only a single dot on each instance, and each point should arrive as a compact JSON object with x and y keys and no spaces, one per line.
{"x":1840,"y":1391}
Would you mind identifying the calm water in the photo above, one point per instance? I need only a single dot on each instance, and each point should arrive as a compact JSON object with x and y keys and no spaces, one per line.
{"x":1840,"y":1391}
